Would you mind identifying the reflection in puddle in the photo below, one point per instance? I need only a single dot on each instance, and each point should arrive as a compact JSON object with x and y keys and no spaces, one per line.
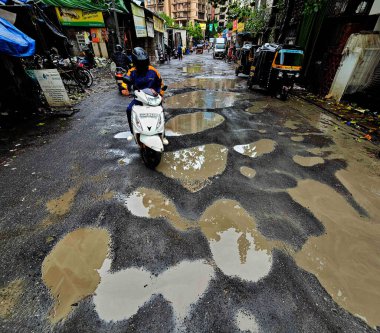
{"x":256,"y":149}
{"x":120,"y":295}
{"x":202,"y":99}
{"x":297,"y":138}
{"x":10,"y":296}
{"x":192,"y":123}
{"x":62,"y":205}
{"x":237,"y":247}
{"x":122,"y":135}
{"x":192,"y":69}
{"x":246,"y":322}
{"x":194,"y":166}
{"x":69,"y":271}
{"x":205,"y":83}
{"x":150,"y":203}
{"x":248,"y":172}
{"x":308,"y":161}
{"x":346,"y":258}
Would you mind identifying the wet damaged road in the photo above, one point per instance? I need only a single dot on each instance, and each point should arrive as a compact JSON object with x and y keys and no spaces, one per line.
{"x":263,"y":216}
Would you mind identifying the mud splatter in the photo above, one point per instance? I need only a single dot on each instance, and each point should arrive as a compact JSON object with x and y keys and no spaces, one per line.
{"x":257,"y":149}
{"x":205,"y":83}
{"x":192,"y":123}
{"x":248,"y":172}
{"x":297,"y":138}
{"x":10,"y":296}
{"x":194,"y":167}
{"x":62,"y":205}
{"x":69,"y":271}
{"x":346,"y":259}
{"x":150,"y":203}
{"x":120,"y":295}
{"x":202,"y":99}
{"x":308,"y":161}
{"x":246,"y":322}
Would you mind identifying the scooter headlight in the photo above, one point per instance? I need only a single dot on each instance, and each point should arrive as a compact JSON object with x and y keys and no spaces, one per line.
{"x":297,"y":75}
{"x":280,"y":74}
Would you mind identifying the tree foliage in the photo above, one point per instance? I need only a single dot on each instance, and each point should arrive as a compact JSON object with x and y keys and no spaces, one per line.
{"x":313,"y":6}
{"x":170,"y":22}
{"x":194,"y":30}
{"x":255,"y":19}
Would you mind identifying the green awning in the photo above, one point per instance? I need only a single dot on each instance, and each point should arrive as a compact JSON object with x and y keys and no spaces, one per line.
{"x":90,"y":5}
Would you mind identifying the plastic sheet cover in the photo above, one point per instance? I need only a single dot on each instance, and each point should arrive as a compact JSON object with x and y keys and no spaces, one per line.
{"x":90,"y":5}
{"x":14,"y":42}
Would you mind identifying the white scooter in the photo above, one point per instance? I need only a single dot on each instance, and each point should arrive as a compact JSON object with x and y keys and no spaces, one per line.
{"x":148,"y":124}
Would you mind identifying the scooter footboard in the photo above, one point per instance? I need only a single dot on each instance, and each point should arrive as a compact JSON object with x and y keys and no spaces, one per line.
{"x":152,"y":141}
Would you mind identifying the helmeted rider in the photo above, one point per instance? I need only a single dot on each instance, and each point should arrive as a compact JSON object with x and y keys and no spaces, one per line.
{"x":120,"y":58}
{"x":142,"y":75}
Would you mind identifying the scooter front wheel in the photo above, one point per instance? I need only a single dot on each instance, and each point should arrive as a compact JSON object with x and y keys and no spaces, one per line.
{"x":150,"y":157}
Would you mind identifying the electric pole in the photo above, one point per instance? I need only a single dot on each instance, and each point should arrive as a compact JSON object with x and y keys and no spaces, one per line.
{"x":116,"y":23}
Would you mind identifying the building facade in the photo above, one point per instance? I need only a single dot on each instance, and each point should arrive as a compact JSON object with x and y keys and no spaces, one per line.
{"x":184,"y":11}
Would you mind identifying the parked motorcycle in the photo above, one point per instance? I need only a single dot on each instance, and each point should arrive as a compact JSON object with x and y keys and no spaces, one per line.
{"x":148,"y":125}
{"x":162,"y":57}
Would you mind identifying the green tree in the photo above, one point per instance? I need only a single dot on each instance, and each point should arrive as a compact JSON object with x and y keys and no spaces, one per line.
{"x":169,"y":21}
{"x":194,"y":30}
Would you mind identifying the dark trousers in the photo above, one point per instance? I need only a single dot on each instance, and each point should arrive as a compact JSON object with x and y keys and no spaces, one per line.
{"x":129,"y":112}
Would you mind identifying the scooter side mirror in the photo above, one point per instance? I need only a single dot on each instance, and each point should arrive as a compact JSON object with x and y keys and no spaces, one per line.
{"x":164,"y":88}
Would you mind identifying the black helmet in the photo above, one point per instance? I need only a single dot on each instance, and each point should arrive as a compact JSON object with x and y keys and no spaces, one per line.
{"x":118,"y":48}
{"x":140,"y":59}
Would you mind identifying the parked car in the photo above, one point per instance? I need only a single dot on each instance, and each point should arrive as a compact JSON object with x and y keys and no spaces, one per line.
{"x":199,"y":49}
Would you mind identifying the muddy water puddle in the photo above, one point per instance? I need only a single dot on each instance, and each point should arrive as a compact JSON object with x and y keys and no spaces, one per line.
{"x":256,"y":149}
{"x":308,"y":161}
{"x":192,"y":69}
{"x":206,"y":83}
{"x":62,"y":205}
{"x":238,"y":248}
{"x":150,"y":203}
{"x":120,"y":295}
{"x":10,"y":296}
{"x":202,"y":99}
{"x":346,"y":259}
{"x":193,"y":167}
{"x":192,"y":123}
{"x":291,"y":124}
{"x":248,"y":172}
{"x":297,"y":138}
{"x":69,"y":271}
{"x":246,"y":322}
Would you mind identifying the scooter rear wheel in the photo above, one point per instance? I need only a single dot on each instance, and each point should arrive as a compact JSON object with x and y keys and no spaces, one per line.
{"x":150,"y":157}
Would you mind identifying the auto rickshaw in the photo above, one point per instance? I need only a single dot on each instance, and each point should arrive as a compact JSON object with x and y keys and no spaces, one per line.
{"x":276,"y":68}
{"x":245,"y":58}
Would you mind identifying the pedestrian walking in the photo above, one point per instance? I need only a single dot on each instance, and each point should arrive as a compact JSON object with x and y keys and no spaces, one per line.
{"x":168,"y":52}
{"x":179,"y":52}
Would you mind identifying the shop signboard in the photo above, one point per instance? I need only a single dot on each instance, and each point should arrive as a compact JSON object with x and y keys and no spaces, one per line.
{"x":150,"y":29}
{"x":139,"y":21}
{"x":70,"y":17}
{"x":158,"y":24}
{"x":240,"y":27}
{"x":52,"y":86}
{"x":203,"y":26}
{"x":234,"y":25}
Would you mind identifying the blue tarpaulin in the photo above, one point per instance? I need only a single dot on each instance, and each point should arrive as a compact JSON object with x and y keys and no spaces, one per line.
{"x":14,"y":42}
